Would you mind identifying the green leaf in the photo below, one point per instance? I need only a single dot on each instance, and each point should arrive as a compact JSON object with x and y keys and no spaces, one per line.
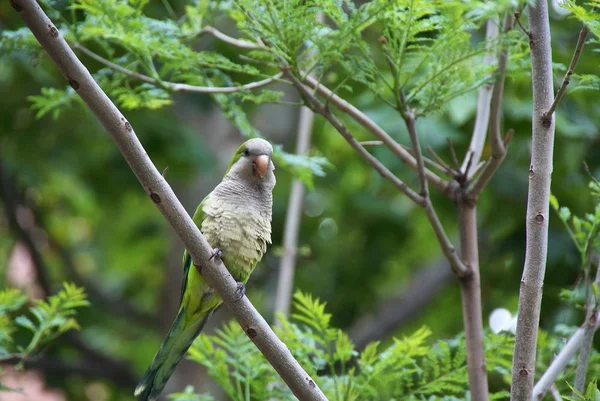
{"x":24,"y":321}
{"x":11,"y":299}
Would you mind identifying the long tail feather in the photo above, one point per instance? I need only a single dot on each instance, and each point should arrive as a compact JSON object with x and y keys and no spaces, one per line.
{"x":172,"y":350}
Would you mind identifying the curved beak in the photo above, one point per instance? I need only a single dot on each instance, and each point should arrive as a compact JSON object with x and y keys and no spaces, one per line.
{"x":261,"y":165}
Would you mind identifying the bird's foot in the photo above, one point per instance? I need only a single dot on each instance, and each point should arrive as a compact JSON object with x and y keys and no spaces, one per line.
{"x":216,"y":254}
{"x":240,"y":291}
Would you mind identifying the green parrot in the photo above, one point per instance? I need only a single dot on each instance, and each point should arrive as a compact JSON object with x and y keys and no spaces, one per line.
{"x":235,"y":218}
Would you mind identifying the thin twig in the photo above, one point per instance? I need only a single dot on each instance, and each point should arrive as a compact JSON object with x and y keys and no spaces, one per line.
{"x":240,"y":43}
{"x":583,"y":34}
{"x":175,"y":87}
{"x":555,"y":393}
{"x":318,"y":107}
{"x":371,"y":143}
{"x":518,"y":20}
{"x":377,"y":131}
{"x":589,"y":329}
{"x":427,"y":161}
{"x":484,"y":97}
{"x":447,"y":169}
{"x":213,"y":271}
{"x":490,"y":168}
{"x":453,"y":153}
{"x":409,"y":119}
{"x":447,"y":248}
{"x":499,"y":147}
{"x":561,"y":361}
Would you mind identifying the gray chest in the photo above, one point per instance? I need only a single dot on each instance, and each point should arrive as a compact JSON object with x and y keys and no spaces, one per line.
{"x":239,"y":225}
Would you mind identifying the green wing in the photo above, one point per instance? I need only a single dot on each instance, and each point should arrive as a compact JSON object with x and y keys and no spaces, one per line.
{"x":198,"y":218}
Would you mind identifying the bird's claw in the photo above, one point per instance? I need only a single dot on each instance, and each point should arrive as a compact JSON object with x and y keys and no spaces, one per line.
{"x":216,"y":254}
{"x":240,"y":291}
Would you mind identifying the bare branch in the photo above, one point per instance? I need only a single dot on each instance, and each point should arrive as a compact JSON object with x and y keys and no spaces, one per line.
{"x":482,"y":117}
{"x":540,"y":172}
{"x":446,"y":167}
{"x":447,"y":248}
{"x":409,"y":119}
{"x":242,"y":44}
{"x":318,"y":107}
{"x":453,"y":153}
{"x":562,"y":359}
{"x":583,"y":34}
{"x":427,"y":161}
{"x":175,"y":87}
{"x":518,"y":20}
{"x":470,"y":290}
{"x":589,"y":328}
{"x":371,"y":126}
{"x":292,"y":219}
{"x":499,"y":147}
{"x":215,"y":273}
{"x":490,"y":168}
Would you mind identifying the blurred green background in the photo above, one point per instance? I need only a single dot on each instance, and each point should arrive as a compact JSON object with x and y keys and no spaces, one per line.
{"x":366,"y":249}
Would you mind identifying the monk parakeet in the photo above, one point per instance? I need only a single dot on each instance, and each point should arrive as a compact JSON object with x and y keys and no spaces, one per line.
{"x":235,"y":218}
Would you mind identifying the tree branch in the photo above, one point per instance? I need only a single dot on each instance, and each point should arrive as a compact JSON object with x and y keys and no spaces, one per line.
{"x":175,"y":87}
{"x":292,"y":219}
{"x":447,"y":248}
{"x":589,"y":328}
{"x":499,"y":147}
{"x":562,"y":359}
{"x":482,"y":117}
{"x":320,"y":108}
{"x":470,"y":290}
{"x":540,"y":171}
{"x":583,"y":34}
{"x":215,"y":273}
{"x":377,"y":131}
{"x":242,"y":44}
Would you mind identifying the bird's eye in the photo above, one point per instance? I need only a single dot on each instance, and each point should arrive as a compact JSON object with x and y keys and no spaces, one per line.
{"x":246,"y":152}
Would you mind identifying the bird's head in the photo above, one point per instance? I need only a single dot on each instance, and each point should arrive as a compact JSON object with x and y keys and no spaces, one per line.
{"x":252,"y":162}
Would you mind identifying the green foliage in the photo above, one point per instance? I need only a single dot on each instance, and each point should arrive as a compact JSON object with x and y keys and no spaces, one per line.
{"x":583,"y":231}
{"x":591,"y":393}
{"x":410,"y":368}
{"x":51,"y":317}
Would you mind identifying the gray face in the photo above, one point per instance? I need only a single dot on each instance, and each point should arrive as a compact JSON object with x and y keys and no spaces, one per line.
{"x":254,"y":163}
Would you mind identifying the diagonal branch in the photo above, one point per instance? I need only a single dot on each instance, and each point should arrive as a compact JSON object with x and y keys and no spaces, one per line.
{"x":562,"y":359}
{"x":240,"y":43}
{"x":371,"y":126}
{"x":499,"y":147}
{"x":320,"y":108}
{"x":482,"y":117}
{"x":175,"y":87}
{"x":583,"y":34}
{"x":214,"y":271}
{"x":447,"y":248}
